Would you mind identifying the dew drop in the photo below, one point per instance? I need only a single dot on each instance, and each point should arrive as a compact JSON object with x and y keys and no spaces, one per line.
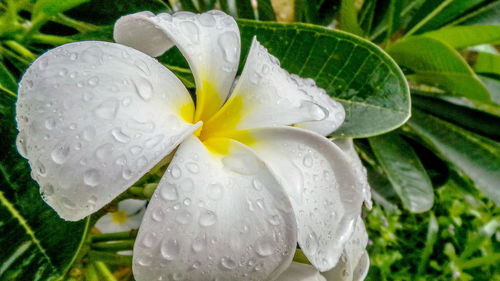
{"x":184,"y":217}
{"x":43,"y":63}
{"x":264,"y":246}
{"x":50,"y":123}
{"x":107,"y":110}
{"x":190,"y":29}
{"x":311,"y":245}
{"x":93,"y":81}
{"x":175,"y":172}
{"x":274,"y":220}
{"x":193,"y":167}
{"x":257,"y":184}
{"x":92,"y":55}
{"x":21,"y":145}
{"x":145,"y":261}
{"x":199,"y":244}
{"x":60,"y":154}
{"x":127,"y":173}
{"x":119,"y":135}
{"x":169,"y":192}
{"x":89,"y":133}
{"x":104,"y":151}
{"x":206,"y":19}
{"x":91,"y":177}
{"x":170,"y":249}
{"x":47,"y":189}
{"x":152,"y":142}
{"x":135,"y":149}
{"x":315,"y":111}
{"x":307,"y":161}
{"x":142,"y":66}
{"x":207,"y":218}
{"x":228,"y":42}
{"x":67,"y":203}
{"x":143,"y":88}
{"x":149,"y":239}
{"x":227,"y":263}
{"x":157,"y":215}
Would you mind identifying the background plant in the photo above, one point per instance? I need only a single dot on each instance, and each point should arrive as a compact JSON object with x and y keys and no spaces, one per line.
{"x":435,"y":179}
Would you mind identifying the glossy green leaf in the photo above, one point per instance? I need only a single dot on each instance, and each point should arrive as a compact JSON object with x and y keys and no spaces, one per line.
{"x":108,"y":11}
{"x":35,"y":243}
{"x":349,"y":17}
{"x":436,"y":13}
{"x":487,"y":14}
{"x":472,"y":119}
{"x":393,"y":17}
{"x":7,"y":81}
{"x":265,"y":10}
{"x":487,"y":63}
{"x":476,"y":157}
{"x":238,"y":9}
{"x":437,"y":64}
{"x":404,"y":170}
{"x":460,"y":37}
{"x":430,"y":241}
{"x":44,"y":8}
{"x":493,"y":86}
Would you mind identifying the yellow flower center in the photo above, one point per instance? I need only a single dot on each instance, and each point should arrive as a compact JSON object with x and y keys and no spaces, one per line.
{"x":119,"y":217}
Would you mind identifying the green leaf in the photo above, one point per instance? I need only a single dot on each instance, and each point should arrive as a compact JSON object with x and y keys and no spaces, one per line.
{"x":430,"y":240}
{"x":44,"y":8}
{"x":349,"y":17}
{"x":394,"y":17}
{"x":238,"y":9}
{"x":437,"y":64}
{"x":108,"y":11}
{"x":404,"y":170}
{"x":493,"y":85}
{"x":468,"y":153}
{"x":436,"y":13}
{"x":477,"y":121}
{"x":487,"y":14}
{"x":265,"y":10}
{"x":7,"y":81}
{"x":36,"y":244}
{"x":487,"y":63}
{"x":460,"y":37}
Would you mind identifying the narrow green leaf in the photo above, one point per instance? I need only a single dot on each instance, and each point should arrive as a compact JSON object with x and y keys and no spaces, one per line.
{"x":238,"y":9}
{"x":487,"y":63}
{"x":468,"y":153}
{"x":460,"y":37}
{"x":188,"y":5}
{"x":437,"y":64}
{"x":265,"y":10}
{"x":404,"y":170}
{"x":7,"y":80}
{"x":33,"y":235}
{"x":430,"y":240}
{"x":349,"y":17}
{"x":45,"y":8}
{"x":472,"y":119}
{"x":493,"y":86}
{"x":394,"y":17}
{"x":434,"y":14}
{"x":487,"y":14}
{"x":108,"y":11}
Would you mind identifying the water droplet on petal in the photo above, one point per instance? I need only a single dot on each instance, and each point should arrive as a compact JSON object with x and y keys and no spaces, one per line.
{"x":170,"y":249}
{"x":257,"y":184}
{"x":264,"y":246}
{"x":207,"y":218}
{"x":21,"y":145}
{"x":60,"y":154}
{"x":227,"y":263}
{"x":191,"y":31}
{"x":157,"y":215}
{"x":104,"y":152}
{"x":307,"y":161}
{"x":107,"y":110}
{"x":67,"y":203}
{"x":91,"y":177}
{"x":206,"y":19}
{"x":169,"y":192}
{"x":315,"y":111}
{"x":175,"y":171}
{"x":215,"y":191}
{"x":93,"y":81}
{"x":229,"y":43}
{"x":311,"y":245}
{"x":47,"y":189}
{"x":143,"y":88}
{"x":149,"y":239}
{"x":119,"y":135}
{"x":43,"y":63}
{"x":184,"y":217}
{"x":193,"y":167}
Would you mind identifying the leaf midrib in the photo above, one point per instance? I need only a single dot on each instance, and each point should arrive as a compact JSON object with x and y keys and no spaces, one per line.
{"x":22,"y":221}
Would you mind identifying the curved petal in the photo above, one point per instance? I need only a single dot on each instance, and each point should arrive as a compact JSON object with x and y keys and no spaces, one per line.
{"x":215,"y":217}
{"x":93,"y":117}
{"x":209,"y":41}
{"x":301,"y":272}
{"x":321,"y":183}
{"x":131,"y":206}
{"x":347,"y":145}
{"x":354,"y":262}
{"x":267,"y":95}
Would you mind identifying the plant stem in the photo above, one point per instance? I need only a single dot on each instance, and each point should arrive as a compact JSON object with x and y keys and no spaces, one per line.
{"x":111,"y":258}
{"x":50,"y":39}
{"x":126,"y":235}
{"x":13,"y":55}
{"x":104,"y":271}
{"x":20,"y":49}
{"x":80,"y":26}
{"x":91,"y":274}
{"x":113,"y":246}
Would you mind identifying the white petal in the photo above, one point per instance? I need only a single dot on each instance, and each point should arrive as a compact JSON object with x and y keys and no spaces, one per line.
{"x":93,"y":118}
{"x":131,"y":206}
{"x":209,"y":41}
{"x":347,"y":145}
{"x":267,"y":95}
{"x":354,"y":262}
{"x":216,"y":217}
{"x":301,"y":272}
{"x":322,"y":186}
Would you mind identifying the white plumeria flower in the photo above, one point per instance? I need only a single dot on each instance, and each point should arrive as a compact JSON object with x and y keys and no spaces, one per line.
{"x":127,"y":217}
{"x":244,"y":185}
